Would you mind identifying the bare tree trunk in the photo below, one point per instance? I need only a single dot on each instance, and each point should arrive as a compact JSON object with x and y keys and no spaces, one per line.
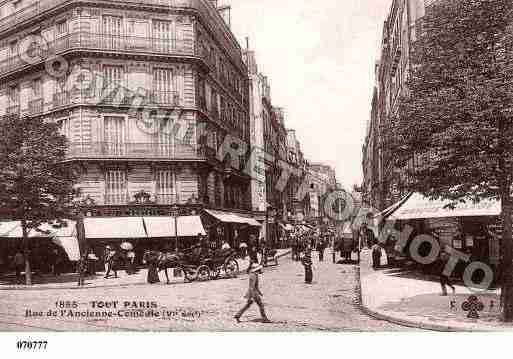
{"x":26,"y":253}
{"x":507,"y":261}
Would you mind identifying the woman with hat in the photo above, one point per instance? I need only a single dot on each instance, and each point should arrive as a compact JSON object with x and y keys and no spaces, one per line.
{"x":254,"y":294}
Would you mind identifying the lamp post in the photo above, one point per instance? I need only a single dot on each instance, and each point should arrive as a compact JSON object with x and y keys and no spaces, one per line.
{"x":174,"y":213}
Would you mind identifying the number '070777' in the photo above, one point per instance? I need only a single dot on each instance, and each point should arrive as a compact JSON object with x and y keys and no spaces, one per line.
{"x":31,"y":344}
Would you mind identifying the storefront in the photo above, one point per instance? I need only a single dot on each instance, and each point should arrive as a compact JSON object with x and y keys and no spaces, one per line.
{"x":468,"y":227}
{"x":232,"y":227}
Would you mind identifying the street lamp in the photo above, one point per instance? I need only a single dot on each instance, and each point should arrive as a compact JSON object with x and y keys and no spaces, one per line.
{"x":174,"y":213}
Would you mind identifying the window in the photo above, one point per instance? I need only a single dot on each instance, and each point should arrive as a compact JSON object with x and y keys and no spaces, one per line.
{"x":13,"y":96}
{"x":36,"y":89}
{"x":165,"y":187}
{"x":114,"y":135}
{"x":65,"y":127}
{"x":163,"y":87}
{"x":17,"y":4}
{"x":112,"y":30}
{"x":113,"y":78}
{"x":13,"y":48}
{"x":115,"y":187}
{"x":163,"y":35}
{"x":62,"y":27}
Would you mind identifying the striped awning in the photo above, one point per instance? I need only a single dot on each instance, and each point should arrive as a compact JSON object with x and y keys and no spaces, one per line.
{"x":114,"y":227}
{"x":163,"y":227}
{"x":230,"y":217}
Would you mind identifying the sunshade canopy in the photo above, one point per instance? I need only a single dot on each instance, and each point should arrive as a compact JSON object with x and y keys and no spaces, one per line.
{"x":417,"y":206}
{"x":160,"y":227}
{"x":229,"y":217}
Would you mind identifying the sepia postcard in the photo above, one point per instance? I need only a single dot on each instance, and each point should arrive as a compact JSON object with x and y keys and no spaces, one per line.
{"x":255,"y":166}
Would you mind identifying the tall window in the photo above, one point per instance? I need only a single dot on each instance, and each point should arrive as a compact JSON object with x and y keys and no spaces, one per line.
{"x":36,"y":89}
{"x":113,"y":77}
{"x":115,"y":187}
{"x":114,"y":135}
{"x":13,"y":99}
{"x":65,"y":128}
{"x":13,"y":48}
{"x":62,"y":28}
{"x":163,"y":87}
{"x":163,"y":37}
{"x":112,"y":30}
{"x":165,"y":187}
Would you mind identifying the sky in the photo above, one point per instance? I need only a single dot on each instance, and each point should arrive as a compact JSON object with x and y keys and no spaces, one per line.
{"x":319,"y":57}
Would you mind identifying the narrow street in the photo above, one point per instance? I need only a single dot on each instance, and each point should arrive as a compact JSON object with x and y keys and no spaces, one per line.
{"x":330,"y":303}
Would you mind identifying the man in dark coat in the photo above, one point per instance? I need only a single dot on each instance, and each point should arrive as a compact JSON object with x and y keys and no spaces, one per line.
{"x":252,"y":251}
{"x":307,"y":263}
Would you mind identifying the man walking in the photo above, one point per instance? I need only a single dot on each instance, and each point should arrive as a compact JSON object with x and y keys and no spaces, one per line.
{"x":444,"y":279}
{"x":19,"y":265}
{"x":307,"y":263}
{"x":321,"y":246}
{"x":253,"y":295}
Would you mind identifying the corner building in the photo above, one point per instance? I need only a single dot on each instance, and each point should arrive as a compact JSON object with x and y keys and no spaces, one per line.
{"x":181,"y":52}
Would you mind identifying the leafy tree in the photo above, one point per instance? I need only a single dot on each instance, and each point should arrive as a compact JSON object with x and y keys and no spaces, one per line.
{"x":35,"y":185}
{"x":452,"y":132}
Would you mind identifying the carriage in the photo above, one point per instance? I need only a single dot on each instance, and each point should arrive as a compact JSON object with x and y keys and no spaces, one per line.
{"x":222,"y":261}
{"x":269,"y":255}
{"x":196,"y":264}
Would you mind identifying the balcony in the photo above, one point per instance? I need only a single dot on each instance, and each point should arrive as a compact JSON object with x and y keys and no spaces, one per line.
{"x":100,"y":42}
{"x":35,"y":106}
{"x":120,"y":198}
{"x":169,"y":98}
{"x":134,"y":151}
{"x":166,"y":198}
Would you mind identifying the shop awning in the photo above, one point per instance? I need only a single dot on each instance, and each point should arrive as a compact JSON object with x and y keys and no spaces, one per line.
{"x":63,"y":236}
{"x":114,"y":228}
{"x":389,"y":210}
{"x":417,"y":206}
{"x":163,"y":227}
{"x":229,"y":217}
{"x":287,"y":227}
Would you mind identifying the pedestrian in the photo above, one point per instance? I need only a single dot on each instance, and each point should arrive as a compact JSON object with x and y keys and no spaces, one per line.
{"x":376,"y":256}
{"x":130,"y":256}
{"x":225,"y":245}
{"x":333,"y":248}
{"x":252,"y":252}
{"x":254,"y":294}
{"x":243,"y":248}
{"x":444,"y":279}
{"x":56,"y":262}
{"x":82,"y":269}
{"x":307,"y":263}
{"x":110,"y":263}
{"x":321,"y":247}
{"x":19,"y":264}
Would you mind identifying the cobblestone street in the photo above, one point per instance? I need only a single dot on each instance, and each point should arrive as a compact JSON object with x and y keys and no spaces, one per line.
{"x":329,"y":304}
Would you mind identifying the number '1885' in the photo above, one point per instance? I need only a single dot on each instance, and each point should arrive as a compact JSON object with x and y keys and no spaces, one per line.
{"x":31,"y":344}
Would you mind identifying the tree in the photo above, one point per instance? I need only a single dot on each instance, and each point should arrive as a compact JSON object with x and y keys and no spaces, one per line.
{"x":451,"y":133}
{"x":35,"y":184}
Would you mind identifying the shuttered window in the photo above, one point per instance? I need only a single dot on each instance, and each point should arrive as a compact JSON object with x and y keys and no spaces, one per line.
{"x":112,"y":29}
{"x":165,"y":186}
{"x":115,"y":187}
{"x":163,"y":36}
{"x":114,"y":134}
{"x":163,"y":87}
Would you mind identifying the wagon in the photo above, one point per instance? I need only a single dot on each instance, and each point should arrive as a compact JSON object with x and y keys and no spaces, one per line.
{"x":221,"y":262}
{"x":269,"y":255}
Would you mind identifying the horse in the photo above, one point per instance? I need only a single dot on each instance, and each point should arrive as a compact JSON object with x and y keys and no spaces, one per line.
{"x":165,"y":260}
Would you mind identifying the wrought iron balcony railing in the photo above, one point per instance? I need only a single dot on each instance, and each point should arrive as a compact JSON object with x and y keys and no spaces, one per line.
{"x":119,"y":198}
{"x":149,"y":151}
{"x":165,"y":98}
{"x":35,"y":106}
{"x":166,"y":198}
{"x":100,"y":42}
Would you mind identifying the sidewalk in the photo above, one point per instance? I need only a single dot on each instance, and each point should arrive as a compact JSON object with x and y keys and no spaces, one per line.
{"x":411,"y":299}
{"x":69,"y":281}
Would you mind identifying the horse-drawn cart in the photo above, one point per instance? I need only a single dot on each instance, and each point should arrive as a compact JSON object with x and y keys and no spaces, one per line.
{"x":196,"y":265}
{"x":269,"y":255}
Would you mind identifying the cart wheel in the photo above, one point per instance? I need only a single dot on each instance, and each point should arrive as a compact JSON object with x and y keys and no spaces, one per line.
{"x":190,"y":274}
{"x":231,"y":268}
{"x":203,"y":273}
{"x":215,"y":272}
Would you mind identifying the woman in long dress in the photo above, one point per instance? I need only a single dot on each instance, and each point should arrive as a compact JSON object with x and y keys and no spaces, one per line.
{"x":153,"y":273}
